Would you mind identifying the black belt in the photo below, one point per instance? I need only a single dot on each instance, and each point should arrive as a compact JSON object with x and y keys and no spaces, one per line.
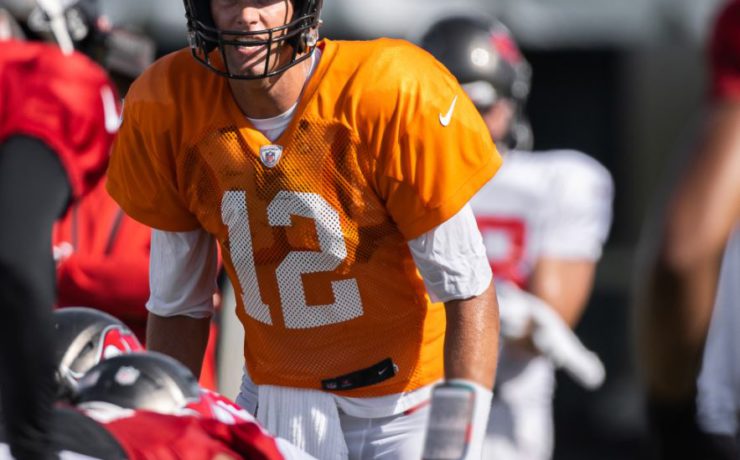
{"x":363,"y":377}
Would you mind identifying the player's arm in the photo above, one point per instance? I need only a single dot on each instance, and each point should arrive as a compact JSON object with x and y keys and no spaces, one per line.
{"x":577,"y":223}
{"x":564,"y":284}
{"x":680,"y":290}
{"x":471,"y":338}
{"x":452,"y":260}
{"x":453,"y":263}
{"x":34,"y":191}
{"x":182,"y":278}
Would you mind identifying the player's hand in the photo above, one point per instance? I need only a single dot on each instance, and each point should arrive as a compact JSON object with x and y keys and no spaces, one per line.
{"x":531,"y":323}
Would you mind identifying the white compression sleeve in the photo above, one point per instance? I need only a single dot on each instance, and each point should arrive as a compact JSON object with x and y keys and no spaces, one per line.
{"x":182,"y":273}
{"x":452,"y":259}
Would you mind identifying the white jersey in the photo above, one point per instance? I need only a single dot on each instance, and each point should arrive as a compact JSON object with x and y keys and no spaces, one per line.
{"x":545,"y":204}
{"x":718,"y":398}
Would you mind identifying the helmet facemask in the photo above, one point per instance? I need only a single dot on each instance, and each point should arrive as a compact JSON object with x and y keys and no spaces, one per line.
{"x":209,"y":44}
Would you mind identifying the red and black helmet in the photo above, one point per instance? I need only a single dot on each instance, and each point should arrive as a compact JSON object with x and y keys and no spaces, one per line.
{"x":300,"y":33}
{"x":85,"y":337}
{"x":482,"y":54}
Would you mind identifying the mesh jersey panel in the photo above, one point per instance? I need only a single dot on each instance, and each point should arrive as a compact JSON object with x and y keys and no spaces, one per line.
{"x":326,"y":282}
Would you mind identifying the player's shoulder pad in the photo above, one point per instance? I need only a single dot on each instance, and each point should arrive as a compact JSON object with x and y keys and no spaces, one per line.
{"x":393,"y":68}
{"x":175,"y":81}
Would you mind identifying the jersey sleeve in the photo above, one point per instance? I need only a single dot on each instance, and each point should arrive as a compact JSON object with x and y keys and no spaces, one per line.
{"x":142,"y":174}
{"x":435,"y":151}
{"x":67,"y":102}
{"x":725,"y":54}
{"x":580,"y":213}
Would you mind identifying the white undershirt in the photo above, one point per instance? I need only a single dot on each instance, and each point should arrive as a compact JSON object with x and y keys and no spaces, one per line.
{"x":273,"y":127}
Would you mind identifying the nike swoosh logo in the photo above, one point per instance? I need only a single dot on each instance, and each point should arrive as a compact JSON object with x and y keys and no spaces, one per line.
{"x":112,"y":117}
{"x":445,"y":119}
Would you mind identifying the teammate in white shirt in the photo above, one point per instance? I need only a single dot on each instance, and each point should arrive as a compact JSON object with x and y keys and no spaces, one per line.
{"x":544,"y":219}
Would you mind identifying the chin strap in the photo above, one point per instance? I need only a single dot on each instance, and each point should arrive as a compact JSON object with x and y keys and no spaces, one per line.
{"x":458,"y":418}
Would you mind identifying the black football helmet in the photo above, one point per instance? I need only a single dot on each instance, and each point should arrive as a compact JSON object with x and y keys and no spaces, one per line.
{"x":84,"y":337}
{"x":482,"y":54}
{"x":80,"y":25}
{"x":150,"y":381}
{"x":301,"y":33}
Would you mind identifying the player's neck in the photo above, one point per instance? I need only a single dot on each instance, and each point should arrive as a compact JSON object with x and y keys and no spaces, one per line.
{"x":269,"y":97}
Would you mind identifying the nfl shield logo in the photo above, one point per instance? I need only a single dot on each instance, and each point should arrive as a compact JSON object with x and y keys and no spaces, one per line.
{"x":270,"y":155}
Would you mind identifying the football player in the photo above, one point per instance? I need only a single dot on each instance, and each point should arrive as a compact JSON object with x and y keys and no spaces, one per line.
{"x":335,"y":178}
{"x":693,"y":276}
{"x":544,"y":219}
{"x":151,"y":403}
{"x":58,"y":115}
{"x":149,"y":406}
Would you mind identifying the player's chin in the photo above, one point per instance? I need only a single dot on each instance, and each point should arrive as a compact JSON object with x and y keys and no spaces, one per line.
{"x":251,"y":65}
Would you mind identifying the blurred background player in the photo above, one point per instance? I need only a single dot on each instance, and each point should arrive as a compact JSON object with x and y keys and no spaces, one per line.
{"x":101,"y":254}
{"x":680,"y":288}
{"x":143,"y":405}
{"x":58,"y":115}
{"x":544,"y":219}
{"x":718,"y":386}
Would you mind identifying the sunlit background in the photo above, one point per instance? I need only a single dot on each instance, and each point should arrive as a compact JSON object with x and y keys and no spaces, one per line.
{"x":623,"y":81}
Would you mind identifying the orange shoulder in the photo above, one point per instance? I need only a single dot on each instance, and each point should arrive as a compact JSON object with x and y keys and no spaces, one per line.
{"x":173,"y":95}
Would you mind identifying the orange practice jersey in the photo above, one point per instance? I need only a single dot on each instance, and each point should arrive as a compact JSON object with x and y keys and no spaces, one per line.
{"x":384,"y":146}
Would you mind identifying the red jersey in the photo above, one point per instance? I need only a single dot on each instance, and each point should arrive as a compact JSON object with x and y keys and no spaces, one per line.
{"x":148,"y":435}
{"x":103,"y":260}
{"x":68,"y":102}
{"x":725,"y":54}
